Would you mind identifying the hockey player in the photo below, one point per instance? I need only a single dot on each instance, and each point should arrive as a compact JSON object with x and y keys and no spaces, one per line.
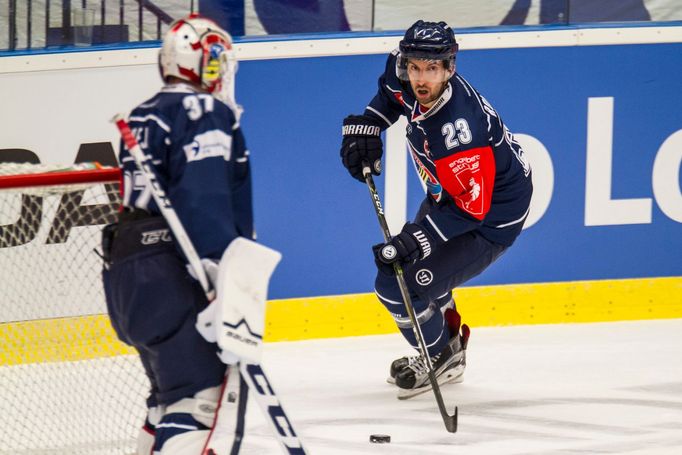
{"x":478,"y":193}
{"x":191,"y":131}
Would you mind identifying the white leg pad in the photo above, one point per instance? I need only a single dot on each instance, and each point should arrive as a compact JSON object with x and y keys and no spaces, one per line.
{"x":219,"y":408}
{"x":145,"y":442}
{"x":228,"y":426}
{"x":145,"y":438}
{"x":190,"y":443}
{"x":202,"y":406}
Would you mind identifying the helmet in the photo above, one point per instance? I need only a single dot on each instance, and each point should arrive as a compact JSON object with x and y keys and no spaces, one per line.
{"x":427,"y":41}
{"x":197,"y":50}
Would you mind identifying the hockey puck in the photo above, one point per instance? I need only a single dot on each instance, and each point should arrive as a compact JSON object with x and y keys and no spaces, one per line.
{"x":379,"y":438}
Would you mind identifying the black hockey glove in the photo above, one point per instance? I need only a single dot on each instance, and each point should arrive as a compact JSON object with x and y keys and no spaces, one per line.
{"x":361,"y":144}
{"x":411,"y":245}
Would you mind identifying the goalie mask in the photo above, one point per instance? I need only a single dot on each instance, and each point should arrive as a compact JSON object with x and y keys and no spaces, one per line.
{"x":431,"y":41}
{"x":197,"y":50}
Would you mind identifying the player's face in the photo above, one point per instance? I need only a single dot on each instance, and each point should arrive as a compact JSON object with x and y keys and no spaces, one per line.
{"x":427,"y":78}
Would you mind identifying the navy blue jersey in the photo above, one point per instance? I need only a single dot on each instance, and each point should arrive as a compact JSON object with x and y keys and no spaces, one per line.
{"x":475,"y":172}
{"x":201,"y":161}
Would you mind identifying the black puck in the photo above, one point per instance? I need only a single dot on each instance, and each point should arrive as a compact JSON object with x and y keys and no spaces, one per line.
{"x":379,"y":438}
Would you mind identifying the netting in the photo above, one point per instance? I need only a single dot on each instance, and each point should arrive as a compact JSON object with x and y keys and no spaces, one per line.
{"x":67,"y":385}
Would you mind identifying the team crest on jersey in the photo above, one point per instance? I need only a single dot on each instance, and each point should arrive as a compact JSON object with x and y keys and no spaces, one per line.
{"x":467,"y":171}
{"x":468,"y":176}
{"x":432,"y":184}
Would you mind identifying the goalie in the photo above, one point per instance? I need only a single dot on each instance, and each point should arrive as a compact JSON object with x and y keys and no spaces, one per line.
{"x":190,"y":132}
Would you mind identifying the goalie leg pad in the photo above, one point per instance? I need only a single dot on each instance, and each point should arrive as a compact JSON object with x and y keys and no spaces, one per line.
{"x":228,"y":427}
{"x":145,"y":438}
{"x":186,"y":424}
{"x":178,"y":431}
{"x":187,"y":443}
{"x":210,"y":422}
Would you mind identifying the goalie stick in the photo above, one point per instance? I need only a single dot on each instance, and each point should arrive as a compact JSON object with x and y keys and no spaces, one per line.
{"x":252,"y":373}
{"x":450,"y":421}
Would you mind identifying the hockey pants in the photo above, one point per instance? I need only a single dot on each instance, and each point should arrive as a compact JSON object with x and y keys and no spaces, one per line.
{"x":430,"y":283}
{"x":153,"y":305}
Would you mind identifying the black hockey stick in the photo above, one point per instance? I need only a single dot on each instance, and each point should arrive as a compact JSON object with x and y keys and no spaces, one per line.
{"x":450,"y":421}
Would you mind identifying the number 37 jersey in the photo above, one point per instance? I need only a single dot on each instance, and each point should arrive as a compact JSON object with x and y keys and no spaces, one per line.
{"x":475,"y":172}
{"x":201,"y":161}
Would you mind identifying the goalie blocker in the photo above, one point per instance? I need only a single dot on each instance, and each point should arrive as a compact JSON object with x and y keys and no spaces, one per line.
{"x":235,"y":320}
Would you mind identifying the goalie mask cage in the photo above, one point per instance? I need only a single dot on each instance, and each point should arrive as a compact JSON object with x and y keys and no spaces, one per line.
{"x":67,"y":385}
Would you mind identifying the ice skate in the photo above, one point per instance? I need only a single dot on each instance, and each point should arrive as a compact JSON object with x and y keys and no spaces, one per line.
{"x":399,"y":364}
{"x":448,"y":365}
{"x":456,"y":327}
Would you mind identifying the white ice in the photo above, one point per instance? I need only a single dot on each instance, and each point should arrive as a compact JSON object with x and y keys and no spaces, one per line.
{"x":578,"y":389}
{"x":600,"y":388}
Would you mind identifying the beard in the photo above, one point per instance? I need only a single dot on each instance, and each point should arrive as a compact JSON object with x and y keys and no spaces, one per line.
{"x":426,"y":95}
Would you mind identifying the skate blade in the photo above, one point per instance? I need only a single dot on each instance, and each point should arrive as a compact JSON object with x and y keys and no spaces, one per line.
{"x":453,"y":376}
{"x":390,"y":380}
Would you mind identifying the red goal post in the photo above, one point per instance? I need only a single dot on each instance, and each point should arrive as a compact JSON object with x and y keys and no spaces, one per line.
{"x":15,"y":176}
{"x":68,"y":385}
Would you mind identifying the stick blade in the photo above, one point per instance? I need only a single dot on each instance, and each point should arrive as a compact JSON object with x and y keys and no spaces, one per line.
{"x":451,"y":421}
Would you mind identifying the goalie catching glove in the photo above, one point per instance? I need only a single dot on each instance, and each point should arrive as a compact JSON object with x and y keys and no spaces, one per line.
{"x":411,"y":245}
{"x":236,"y":318}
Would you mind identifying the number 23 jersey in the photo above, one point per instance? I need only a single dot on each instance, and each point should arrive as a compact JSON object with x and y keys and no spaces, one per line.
{"x":475,"y":172}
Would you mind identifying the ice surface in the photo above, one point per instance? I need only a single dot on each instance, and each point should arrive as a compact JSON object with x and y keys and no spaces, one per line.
{"x":607,"y":388}
{"x":603,"y":388}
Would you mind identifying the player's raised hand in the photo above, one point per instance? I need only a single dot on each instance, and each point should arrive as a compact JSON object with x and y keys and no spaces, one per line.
{"x":361,"y":143}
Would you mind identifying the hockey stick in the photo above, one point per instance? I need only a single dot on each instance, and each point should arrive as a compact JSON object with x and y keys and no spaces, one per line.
{"x":252,"y":373}
{"x":450,"y":421}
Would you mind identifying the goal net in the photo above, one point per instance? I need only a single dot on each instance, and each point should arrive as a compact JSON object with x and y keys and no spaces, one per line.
{"x":67,"y":385}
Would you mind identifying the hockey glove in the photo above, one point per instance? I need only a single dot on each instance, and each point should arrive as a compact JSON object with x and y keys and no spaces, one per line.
{"x":411,"y":245}
{"x":361,"y":144}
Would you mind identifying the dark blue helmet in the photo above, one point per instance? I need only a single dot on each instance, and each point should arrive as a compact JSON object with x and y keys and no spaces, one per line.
{"x":427,"y":41}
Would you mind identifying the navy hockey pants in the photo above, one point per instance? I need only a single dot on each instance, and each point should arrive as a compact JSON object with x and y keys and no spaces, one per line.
{"x":153,"y":305}
{"x":431,"y":282}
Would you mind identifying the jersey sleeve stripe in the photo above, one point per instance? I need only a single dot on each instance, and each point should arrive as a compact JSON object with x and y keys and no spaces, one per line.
{"x":152,"y":117}
{"x":435,"y":228}
{"x":392,"y":302}
{"x":511,"y":223}
{"x":388,"y":122}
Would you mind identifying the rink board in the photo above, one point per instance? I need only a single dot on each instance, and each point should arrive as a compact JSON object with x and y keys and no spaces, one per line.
{"x":597,"y":110}
{"x":599,"y":119}
{"x":362,"y":314}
